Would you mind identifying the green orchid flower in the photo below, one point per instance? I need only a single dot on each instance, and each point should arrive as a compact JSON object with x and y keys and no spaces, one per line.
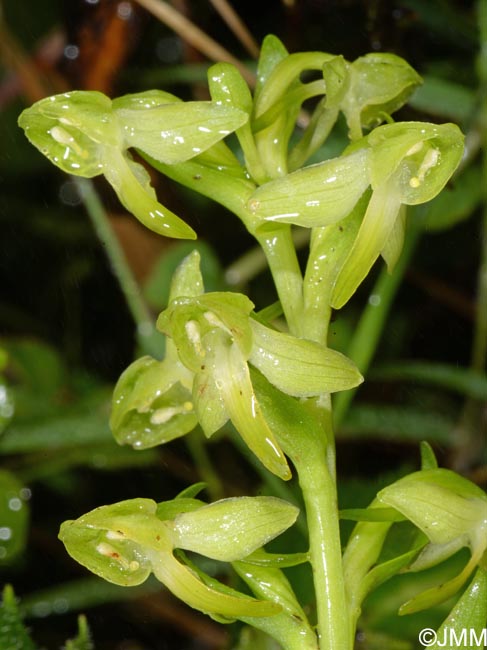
{"x":452,"y":512}
{"x":401,"y":164}
{"x":216,"y":339}
{"x":205,"y":376}
{"x":125,"y":542}
{"x":86,"y":134}
{"x":404,"y":169}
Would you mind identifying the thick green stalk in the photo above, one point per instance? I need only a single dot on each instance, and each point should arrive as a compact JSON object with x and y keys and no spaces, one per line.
{"x":278,"y":246}
{"x":313,"y":457}
{"x":148,"y":338}
{"x":319,"y":493}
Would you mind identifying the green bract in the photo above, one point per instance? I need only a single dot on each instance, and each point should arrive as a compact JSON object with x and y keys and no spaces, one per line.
{"x":452,"y":512}
{"x":86,"y":134}
{"x":152,"y":401}
{"x":126,"y":541}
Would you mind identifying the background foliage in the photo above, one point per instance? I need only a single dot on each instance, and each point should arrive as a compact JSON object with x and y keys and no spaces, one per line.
{"x":66,"y":332}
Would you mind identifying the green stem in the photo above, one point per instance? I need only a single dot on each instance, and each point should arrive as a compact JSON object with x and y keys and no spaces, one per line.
{"x":318,"y":487}
{"x":148,"y":338}
{"x":280,"y":252}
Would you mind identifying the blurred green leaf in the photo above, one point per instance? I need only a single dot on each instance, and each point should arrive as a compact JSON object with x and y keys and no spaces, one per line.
{"x":65,"y":431}
{"x":444,"y":98}
{"x":14,"y":516}
{"x":460,"y":380}
{"x":396,"y":423}
{"x":456,"y":202}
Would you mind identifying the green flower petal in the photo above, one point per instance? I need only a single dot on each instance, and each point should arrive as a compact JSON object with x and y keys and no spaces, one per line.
{"x":377,"y":226}
{"x":131,"y":183}
{"x":233,"y":379}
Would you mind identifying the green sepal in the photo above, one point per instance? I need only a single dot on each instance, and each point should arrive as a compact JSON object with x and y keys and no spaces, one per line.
{"x":176,"y":131}
{"x":189,"y":319}
{"x":325,"y":114}
{"x":421,"y":157}
{"x":230,"y":529}
{"x":317,"y":195}
{"x":228,"y":87}
{"x":112,"y":541}
{"x":144,"y":100}
{"x":300,"y":367}
{"x":276,"y":560}
{"x":231,"y":376}
{"x":226,"y":603}
{"x":377,"y":225}
{"x":371,"y":514}
{"x":169,"y":510}
{"x":380,"y":83}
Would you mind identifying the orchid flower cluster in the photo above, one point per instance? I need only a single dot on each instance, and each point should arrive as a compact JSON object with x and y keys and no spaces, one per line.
{"x":272,"y":380}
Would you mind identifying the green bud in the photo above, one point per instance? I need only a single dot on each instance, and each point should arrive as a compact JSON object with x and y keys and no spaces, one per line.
{"x":231,"y":529}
